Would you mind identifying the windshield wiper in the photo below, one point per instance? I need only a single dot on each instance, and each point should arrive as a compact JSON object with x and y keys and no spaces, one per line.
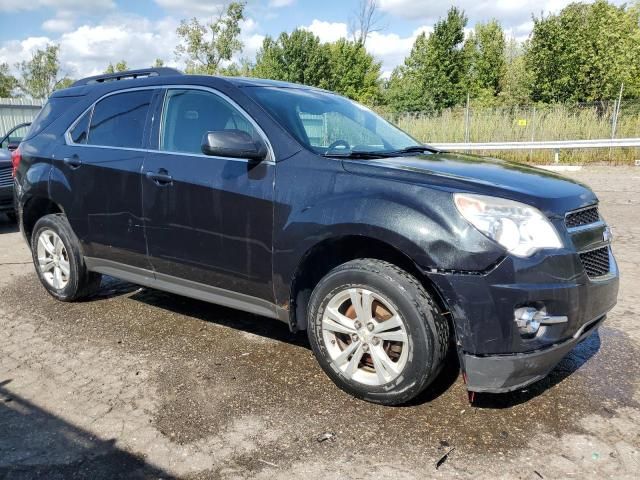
{"x":358,"y":154}
{"x":416,"y":149}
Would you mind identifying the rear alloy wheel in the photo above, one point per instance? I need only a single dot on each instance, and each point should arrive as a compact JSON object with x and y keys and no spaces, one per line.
{"x":53,"y":259}
{"x":376,"y":331}
{"x":59,"y":261}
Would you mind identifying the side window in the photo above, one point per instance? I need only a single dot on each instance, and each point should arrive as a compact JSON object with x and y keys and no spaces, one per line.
{"x":189,"y":114}
{"x":79,"y":132}
{"x":118,"y":120}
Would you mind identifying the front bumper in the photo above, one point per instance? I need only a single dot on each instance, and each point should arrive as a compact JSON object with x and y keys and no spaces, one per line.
{"x":494,"y":356}
{"x":505,"y":373}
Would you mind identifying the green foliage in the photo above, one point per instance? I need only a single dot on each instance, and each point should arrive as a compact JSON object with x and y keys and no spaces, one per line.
{"x":585,"y":53}
{"x":159,"y":63}
{"x":206,"y":46}
{"x":354,"y":72}
{"x":486,"y":64}
{"x":39,"y":75}
{"x":121,"y":66}
{"x":64,"y":82}
{"x":433,"y":76}
{"x":344,"y":66}
{"x":298,"y":57}
{"x":8,"y":82}
{"x":515,"y":84}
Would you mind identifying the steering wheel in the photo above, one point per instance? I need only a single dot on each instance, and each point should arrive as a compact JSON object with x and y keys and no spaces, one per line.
{"x":338,"y":143}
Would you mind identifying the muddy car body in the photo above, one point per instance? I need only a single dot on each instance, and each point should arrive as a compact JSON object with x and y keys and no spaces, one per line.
{"x":387,"y":252}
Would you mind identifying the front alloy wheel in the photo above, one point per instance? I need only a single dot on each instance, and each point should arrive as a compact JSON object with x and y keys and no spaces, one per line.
{"x":365,"y":336}
{"x":376,"y":332}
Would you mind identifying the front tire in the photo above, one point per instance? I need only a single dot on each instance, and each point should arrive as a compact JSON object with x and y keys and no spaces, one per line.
{"x":59,"y":261}
{"x":376,"y":332}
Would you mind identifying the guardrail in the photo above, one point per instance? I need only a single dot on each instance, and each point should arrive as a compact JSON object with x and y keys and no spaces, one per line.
{"x":552,"y":145}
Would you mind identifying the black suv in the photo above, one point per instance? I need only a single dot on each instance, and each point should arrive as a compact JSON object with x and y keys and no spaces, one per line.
{"x":297,"y":204}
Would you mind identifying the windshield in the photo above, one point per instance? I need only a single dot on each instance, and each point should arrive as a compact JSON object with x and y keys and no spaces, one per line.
{"x":329,"y":124}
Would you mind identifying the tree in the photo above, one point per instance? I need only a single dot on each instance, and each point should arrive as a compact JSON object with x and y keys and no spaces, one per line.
{"x":298,"y":57}
{"x":354,"y":72}
{"x":159,"y":63}
{"x":205,"y":47}
{"x":585,"y":53}
{"x":515,"y":85}
{"x":433,"y":76}
{"x":39,"y":75}
{"x":8,"y":82}
{"x":121,"y":66}
{"x":366,"y":20}
{"x":486,"y":63}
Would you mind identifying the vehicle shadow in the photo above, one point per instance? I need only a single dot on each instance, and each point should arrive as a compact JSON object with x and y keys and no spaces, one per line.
{"x":35,"y":444}
{"x":569,"y":364}
{"x":228,"y":317}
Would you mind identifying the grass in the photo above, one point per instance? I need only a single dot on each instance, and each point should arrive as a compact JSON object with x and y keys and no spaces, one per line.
{"x":557,"y":122}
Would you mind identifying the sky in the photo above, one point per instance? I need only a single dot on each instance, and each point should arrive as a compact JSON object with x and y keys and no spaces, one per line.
{"x":93,"y":33}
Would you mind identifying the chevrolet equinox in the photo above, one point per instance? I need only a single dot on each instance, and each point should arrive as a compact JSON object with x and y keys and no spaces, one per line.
{"x":294,"y":203}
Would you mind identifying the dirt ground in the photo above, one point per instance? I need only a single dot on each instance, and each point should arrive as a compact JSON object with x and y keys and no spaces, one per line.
{"x":141,"y":384}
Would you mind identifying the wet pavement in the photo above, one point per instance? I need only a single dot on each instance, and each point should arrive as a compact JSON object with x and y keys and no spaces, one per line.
{"x":144,"y":384}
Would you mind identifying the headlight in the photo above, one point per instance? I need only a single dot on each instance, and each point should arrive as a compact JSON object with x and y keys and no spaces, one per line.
{"x":520,"y":228}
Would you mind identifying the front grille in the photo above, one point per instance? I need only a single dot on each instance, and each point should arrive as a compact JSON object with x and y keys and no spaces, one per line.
{"x":596,"y":262}
{"x":582,"y":217}
{"x":6,"y":179}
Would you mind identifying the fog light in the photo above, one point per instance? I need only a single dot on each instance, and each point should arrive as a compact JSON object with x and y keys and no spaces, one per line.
{"x":530,"y":319}
{"x":527,"y":320}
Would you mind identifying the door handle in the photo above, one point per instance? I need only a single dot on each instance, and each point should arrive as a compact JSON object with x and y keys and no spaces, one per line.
{"x":73,"y":161}
{"x":160,"y":178}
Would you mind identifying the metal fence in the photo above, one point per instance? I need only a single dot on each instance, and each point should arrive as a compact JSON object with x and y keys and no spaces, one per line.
{"x":14,"y":111}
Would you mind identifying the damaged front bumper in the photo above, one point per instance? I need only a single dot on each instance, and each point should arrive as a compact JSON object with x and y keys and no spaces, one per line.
{"x":505,"y":373}
{"x":495,"y":355}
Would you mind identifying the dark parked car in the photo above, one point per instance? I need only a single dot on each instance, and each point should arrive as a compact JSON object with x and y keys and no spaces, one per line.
{"x":8,"y":144}
{"x":297,"y":204}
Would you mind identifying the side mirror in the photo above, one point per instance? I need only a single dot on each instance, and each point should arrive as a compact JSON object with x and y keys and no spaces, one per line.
{"x":233,"y":144}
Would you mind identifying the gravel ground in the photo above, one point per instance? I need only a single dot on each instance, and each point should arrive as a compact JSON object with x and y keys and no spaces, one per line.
{"x":137,"y":383}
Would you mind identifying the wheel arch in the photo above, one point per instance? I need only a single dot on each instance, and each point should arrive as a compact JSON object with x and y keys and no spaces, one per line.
{"x":322,"y":257}
{"x":33,"y":210}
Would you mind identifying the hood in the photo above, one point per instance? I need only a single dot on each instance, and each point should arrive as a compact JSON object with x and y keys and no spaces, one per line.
{"x":552,"y":193}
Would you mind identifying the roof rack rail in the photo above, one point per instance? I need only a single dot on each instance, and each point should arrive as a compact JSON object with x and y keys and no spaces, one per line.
{"x":127,"y":75}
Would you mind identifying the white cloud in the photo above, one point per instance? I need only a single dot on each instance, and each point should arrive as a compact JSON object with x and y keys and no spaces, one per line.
{"x":327,"y":31}
{"x":281,"y":3}
{"x":512,"y":14}
{"x":192,"y":7}
{"x":59,"y":5}
{"x":391,"y":49}
{"x":88,"y":49}
{"x":388,"y":48}
{"x":62,"y":22}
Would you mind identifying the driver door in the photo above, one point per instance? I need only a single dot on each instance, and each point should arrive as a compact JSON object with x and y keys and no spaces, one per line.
{"x":208,"y":219}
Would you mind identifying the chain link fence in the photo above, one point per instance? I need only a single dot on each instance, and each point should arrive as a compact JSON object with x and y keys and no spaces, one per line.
{"x":532,"y":123}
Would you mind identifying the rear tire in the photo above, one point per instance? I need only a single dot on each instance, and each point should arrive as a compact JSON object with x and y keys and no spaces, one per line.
{"x":376,"y":331}
{"x":59,"y":262}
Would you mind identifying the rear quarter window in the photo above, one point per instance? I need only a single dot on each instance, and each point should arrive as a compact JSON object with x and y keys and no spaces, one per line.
{"x":55,"y":107}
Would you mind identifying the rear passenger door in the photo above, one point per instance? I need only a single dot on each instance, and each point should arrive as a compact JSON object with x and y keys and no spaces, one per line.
{"x":208,"y":219}
{"x":101,"y":163}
